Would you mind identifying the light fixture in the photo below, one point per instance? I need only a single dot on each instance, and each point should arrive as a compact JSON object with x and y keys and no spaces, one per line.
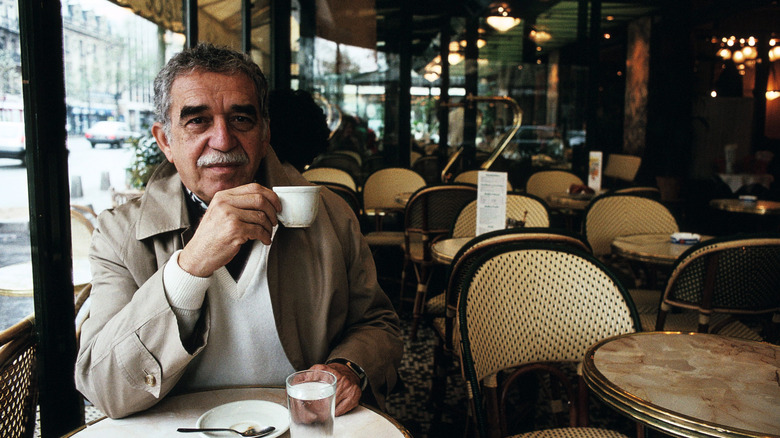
{"x":772,"y":87}
{"x":455,"y":58}
{"x":724,"y":53}
{"x":738,"y":56}
{"x":750,"y":52}
{"x":539,"y":36}
{"x":500,"y":17}
{"x":774,"y":53}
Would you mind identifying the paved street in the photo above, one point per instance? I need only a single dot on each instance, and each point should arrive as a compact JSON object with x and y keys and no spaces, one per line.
{"x":89,"y":166}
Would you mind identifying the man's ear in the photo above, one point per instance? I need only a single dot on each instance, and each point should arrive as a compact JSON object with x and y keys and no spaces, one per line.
{"x":162,"y":140}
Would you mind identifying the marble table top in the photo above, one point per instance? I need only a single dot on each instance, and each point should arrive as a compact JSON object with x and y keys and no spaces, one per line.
{"x":173,"y":412}
{"x":444,"y":250}
{"x":17,"y":279}
{"x":650,"y":248}
{"x":690,"y":384}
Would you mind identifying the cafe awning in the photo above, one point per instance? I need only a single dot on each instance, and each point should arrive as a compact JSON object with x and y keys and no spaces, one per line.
{"x":351,"y":22}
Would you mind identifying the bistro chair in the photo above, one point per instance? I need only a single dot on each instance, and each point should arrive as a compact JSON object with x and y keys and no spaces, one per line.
{"x":18,"y":379}
{"x":716,"y":280}
{"x":346,"y":193}
{"x":614,"y":214}
{"x":429,"y":216}
{"x":382,"y":188}
{"x":528,"y":307}
{"x":621,"y":169}
{"x":354,"y":154}
{"x":443,"y":307}
{"x":521,"y":210}
{"x":330,"y":175}
{"x":344,"y":162}
{"x":546,"y":182}
{"x":429,"y":167}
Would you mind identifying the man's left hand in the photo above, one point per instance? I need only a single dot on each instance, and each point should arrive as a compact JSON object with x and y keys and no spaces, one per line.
{"x":348,"y":390}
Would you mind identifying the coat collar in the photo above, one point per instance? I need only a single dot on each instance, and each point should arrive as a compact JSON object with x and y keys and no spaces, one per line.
{"x":163,"y":207}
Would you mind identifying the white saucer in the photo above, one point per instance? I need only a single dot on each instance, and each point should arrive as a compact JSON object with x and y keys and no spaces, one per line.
{"x":242,"y":415}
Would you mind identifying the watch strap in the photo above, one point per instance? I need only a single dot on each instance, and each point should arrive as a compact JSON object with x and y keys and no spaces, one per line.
{"x":355,"y":368}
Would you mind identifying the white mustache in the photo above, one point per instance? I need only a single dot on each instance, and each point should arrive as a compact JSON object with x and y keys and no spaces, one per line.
{"x":237,"y":157}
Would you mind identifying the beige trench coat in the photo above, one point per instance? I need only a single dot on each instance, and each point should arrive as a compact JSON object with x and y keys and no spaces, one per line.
{"x":322,"y":281}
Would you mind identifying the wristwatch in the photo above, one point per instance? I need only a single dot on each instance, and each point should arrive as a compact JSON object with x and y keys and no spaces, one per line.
{"x":355,"y":368}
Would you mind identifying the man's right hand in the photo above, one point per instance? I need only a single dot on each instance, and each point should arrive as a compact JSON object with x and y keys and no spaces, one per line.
{"x":234,"y":216}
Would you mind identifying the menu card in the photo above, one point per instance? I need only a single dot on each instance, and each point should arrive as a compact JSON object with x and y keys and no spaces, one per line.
{"x":594,"y":170}
{"x":491,"y":201}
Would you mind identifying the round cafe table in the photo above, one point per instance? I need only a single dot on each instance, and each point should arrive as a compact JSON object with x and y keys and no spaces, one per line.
{"x":444,"y":250}
{"x":173,"y":412}
{"x":17,"y":279}
{"x":569,"y":201}
{"x":689,"y":384}
{"x":656,"y":249}
{"x":751,"y":207}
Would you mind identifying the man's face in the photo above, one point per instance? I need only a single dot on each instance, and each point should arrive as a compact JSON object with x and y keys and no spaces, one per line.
{"x":217,"y":137}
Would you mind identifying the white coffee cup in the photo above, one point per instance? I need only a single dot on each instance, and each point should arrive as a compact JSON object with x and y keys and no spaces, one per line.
{"x":299,"y":205}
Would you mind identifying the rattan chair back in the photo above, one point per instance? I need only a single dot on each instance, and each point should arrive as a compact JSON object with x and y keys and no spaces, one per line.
{"x":466,"y":256}
{"x":383,"y":186}
{"x":613,"y":215}
{"x":546,"y":182}
{"x":528,"y":209}
{"x":344,"y":162}
{"x":18,"y":379}
{"x":432,"y":210}
{"x":623,"y":167}
{"x":429,"y":168}
{"x":330,"y":175}
{"x":80,"y":233}
{"x":734,"y":275}
{"x":527,"y":305}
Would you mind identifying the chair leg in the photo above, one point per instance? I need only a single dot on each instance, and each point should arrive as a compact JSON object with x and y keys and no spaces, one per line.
{"x":419,"y":308}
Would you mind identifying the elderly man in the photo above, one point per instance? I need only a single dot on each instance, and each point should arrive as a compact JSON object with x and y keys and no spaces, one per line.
{"x":196,"y":285}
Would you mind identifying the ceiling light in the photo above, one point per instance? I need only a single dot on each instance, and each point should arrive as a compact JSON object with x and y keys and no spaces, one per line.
{"x":500,"y":17}
{"x":540,"y":36}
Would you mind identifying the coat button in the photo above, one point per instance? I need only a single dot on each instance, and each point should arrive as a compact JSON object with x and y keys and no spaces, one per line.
{"x":150,"y":380}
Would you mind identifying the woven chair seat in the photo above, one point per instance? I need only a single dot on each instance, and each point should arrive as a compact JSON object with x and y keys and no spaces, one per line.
{"x":571,"y":432}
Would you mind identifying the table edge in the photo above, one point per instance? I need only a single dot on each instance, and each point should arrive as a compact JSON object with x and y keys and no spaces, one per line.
{"x":401,"y":428}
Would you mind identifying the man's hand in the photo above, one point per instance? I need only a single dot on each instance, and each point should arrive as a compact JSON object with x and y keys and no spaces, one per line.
{"x":234,"y":216}
{"x":348,"y":390}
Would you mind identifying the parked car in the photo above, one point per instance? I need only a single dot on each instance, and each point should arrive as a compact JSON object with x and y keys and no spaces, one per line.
{"x":12,"y":140}
{"x":113,"y":133}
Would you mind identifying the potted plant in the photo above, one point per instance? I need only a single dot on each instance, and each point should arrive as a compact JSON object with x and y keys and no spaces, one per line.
{"x":146,"y":157}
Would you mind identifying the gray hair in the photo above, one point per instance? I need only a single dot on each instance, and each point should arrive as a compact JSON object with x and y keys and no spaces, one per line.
{"x":206,"y":57}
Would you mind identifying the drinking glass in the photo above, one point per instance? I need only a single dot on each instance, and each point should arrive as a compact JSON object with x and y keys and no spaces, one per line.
{"x":311,"y":399}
